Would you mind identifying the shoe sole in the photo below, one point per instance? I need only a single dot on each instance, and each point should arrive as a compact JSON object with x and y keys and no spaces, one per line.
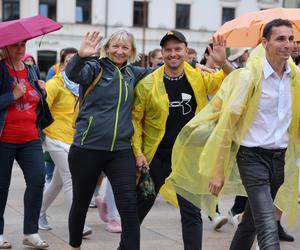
{"x":221,"y":224}
{"x":113,"y":231}
{"x":45,"y":228}
{"x":6,"y":245}
{"x":86,"y":233}
{"x":26,"y":242}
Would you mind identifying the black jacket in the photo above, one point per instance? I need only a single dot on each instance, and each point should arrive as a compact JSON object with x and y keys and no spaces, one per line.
{"x":104,"y":121}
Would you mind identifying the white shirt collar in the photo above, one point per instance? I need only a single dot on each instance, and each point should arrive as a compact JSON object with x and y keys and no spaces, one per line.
{"x":268,"y":70}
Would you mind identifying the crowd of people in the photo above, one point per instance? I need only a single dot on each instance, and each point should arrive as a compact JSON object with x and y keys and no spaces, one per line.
{"x":198,"y":127}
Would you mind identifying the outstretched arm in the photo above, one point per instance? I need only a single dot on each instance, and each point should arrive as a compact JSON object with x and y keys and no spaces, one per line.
{"x":89,"y":44}
{"x":218,"y":53}
{"x":81,"y":69}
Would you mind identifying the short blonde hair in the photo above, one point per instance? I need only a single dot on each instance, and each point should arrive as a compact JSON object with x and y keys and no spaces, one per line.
{"x":124,"y":36}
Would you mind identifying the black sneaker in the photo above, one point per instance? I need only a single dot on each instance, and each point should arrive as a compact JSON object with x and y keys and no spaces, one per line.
{"x":284,"y":236}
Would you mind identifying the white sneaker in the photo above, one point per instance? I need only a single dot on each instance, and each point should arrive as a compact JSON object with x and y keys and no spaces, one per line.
{"x":219,"y":221}
{"x":86,"y":231}
{"x":43,"y":223}
{"x":234,"y":219}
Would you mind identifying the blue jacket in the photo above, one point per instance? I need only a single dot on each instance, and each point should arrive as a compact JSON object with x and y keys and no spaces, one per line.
{"x":7,"y":98}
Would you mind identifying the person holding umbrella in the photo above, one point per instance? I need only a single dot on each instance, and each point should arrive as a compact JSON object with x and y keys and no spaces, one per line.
{"x":23,"y":114}
{"x":21,"y":111}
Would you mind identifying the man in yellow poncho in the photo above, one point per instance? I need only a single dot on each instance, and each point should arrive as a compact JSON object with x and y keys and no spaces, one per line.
{"x":256,"y":121}
{"x":164,"y":102}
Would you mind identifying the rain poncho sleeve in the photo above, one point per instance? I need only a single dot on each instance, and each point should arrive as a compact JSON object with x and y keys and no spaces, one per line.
{"x":212,"y":81}
{"x":139,"y":107}
{"x":207,"y":146}
{"x":151,"y":110}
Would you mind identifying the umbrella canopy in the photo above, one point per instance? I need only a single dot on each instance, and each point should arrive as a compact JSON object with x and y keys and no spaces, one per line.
{"x":246,"y":30}
{"x":26,"y":28}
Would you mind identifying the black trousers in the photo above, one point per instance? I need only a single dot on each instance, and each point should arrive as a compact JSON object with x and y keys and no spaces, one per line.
{"x":262,"y":173}
{"x":119,"y":166}
{"x":191,"y":220}
{"x":239,"y":205}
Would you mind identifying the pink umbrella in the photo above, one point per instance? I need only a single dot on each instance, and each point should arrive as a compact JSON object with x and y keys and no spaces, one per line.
{"x":26,"y":28}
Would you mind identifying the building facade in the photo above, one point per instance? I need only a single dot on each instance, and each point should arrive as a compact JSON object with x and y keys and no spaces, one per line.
{"x":148,"y":20}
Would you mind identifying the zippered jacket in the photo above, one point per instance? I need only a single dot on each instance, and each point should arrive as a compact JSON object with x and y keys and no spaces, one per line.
{"x":104,"y":120}
{"x":7,"y":98}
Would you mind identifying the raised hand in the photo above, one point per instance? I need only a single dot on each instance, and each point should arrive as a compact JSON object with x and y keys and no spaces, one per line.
{"x":89,"y":44}
{"x":218,"y":52}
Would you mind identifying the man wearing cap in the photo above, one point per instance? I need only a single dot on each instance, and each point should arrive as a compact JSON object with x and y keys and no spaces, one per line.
{"x":164,"y":102}
{"x":238,"y":57}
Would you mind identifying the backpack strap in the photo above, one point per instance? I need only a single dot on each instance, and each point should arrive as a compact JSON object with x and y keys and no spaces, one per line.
{"x":91,"y":86}
{"x":79,"y":102}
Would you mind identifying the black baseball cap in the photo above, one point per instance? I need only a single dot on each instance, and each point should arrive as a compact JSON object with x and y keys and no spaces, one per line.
{"x":173,"y":34}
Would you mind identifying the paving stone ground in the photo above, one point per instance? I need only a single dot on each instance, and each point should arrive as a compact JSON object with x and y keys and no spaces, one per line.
{"x":160,"y":231}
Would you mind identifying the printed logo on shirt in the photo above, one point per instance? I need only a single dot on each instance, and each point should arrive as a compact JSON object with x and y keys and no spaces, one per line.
{"x":184,"y":104}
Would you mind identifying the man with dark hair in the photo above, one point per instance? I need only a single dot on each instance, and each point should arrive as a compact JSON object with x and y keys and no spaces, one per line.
{"x":255,"y":120}
{"x":265,"y":144}
{"x":267,"y":31}
{"x":192,"y":55}
{"x":164,"y":102}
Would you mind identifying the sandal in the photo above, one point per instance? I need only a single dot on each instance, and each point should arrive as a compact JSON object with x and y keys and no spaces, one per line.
{"x":35,"y":241}
{"x":4,"y":244}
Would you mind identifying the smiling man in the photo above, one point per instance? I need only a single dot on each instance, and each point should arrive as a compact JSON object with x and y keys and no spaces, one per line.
{"x":261,"y":156}
{"x":255,"y":121}
{"x":164,"y":102}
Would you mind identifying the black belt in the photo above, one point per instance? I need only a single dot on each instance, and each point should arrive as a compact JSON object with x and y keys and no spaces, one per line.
{"x":270,"y":152}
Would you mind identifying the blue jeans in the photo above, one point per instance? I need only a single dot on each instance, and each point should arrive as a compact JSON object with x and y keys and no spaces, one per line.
{"x":30,"y":158}
{"x":262,"y":173}
{"x":49,"y":168}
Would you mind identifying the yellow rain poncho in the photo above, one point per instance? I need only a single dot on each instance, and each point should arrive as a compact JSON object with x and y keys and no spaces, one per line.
{"x":208,"y":144}
{"x":151,"y":110}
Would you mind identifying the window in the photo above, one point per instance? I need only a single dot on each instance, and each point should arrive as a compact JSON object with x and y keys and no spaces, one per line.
{"x":227,"y":14}
{"x":48,"y":8}
{"x":182,"y":16}
{"x":83,"y":11}
{"x":46,"y":59}
{"x":11,"y":9}
{"x":291,"y":3}
{"x":140,"y":14}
